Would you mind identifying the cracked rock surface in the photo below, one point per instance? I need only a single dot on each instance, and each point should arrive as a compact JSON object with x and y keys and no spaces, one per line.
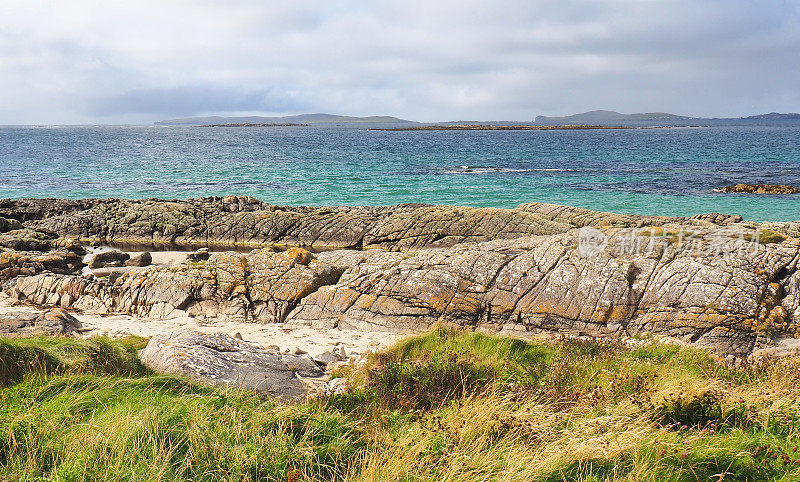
{"x":713,"y":279}
{"x":220,"y":359}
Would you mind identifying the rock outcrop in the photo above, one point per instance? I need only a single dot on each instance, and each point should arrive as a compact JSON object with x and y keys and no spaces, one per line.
{"x":713,"y":279}
{"x":262,"y":286}
{"x":220,"y":359}
{"x":26,"y":240}
{"x":238,"y":222}
{"x":714,"y":288}
{"x":761,"y":189}
{"x":28,"y":263}
{"x":54,"y":322}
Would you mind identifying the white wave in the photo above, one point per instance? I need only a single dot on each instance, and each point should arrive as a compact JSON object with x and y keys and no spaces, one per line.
{"x":487,"y":170}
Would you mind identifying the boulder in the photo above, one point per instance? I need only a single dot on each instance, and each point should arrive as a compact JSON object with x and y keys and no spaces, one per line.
{"x":59,"y":321}
{"x":220,"y":359}
{"x":107,"y":259}
{"x":337,"y":386}
{"x":70,"y":245}
{"x":336,"y":354}
{"x":140,"y":259}
{"x":201,"y":254}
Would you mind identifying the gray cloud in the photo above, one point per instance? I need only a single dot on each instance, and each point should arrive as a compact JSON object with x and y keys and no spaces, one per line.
{"x":93,"y":61}
{"x":189,"y":99}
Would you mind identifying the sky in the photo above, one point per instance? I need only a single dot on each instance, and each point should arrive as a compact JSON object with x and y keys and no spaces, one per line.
{"x":110,"y":61}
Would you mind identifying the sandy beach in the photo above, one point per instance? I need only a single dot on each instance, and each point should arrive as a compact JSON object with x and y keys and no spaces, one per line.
{"x":309,"y":340}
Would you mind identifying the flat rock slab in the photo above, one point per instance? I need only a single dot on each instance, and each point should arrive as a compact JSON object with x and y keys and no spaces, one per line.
{"x":223,"y":360}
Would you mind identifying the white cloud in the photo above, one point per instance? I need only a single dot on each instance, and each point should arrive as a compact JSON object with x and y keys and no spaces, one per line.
{"x":114,"y":61}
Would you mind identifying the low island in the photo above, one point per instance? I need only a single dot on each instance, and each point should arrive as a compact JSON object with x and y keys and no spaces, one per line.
{"x":252,"y":124}
{"x":489,"y":127}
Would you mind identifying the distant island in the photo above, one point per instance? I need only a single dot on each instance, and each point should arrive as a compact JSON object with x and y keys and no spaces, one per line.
{"x":587,"y":120}
{"x":250,"y":124}
{"x":605,"y":117}
{"x":775,"y":116}
{"x":491,"y":127}
{"x":320,"y":120}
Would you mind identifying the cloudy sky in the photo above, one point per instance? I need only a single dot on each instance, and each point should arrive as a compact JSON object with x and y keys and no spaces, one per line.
{"x":111,"y":61}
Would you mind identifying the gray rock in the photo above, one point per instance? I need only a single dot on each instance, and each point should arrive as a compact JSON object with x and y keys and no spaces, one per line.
{"x":17,"y":322}
{"x":201,"y":254}
{"x":220,"y":359}
{"x":337,"y":386}
{"x":107,"y":259}
{"x":303,"y":365}
{"x":26,"y":240}
{"x":329,"y":356}
{"x":54,"y":322}
{"x":59,"y":322}
{"x":140,"y":259}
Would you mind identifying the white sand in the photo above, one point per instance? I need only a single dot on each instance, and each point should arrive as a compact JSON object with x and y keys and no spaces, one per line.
{"x":309,"y":339}
{"x":160,"y":258}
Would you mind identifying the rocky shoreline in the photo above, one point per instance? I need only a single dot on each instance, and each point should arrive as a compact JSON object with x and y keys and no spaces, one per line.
{"x":760,"y":189}
{"x":712,"y":280}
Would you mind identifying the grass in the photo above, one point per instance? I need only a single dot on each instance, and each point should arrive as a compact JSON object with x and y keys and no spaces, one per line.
{"x":20,"y":357}
{"x":446,"y":405}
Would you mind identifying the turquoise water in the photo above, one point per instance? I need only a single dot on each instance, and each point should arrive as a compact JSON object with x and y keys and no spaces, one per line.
{"x":652,"y":171}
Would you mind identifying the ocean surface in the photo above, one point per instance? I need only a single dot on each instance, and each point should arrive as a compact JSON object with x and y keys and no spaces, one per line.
{"x":646,"y":171}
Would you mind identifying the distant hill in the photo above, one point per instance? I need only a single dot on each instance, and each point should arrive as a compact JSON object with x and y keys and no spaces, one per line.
{"x":611,"y":117}
{"x":310,"y":119}
{"x":774,"y":116}
{"x":595,"y":117}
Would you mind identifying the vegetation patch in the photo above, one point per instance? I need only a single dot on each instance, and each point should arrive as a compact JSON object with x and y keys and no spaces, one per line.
{"x":41,"y":355}
{"x":446,"y":405}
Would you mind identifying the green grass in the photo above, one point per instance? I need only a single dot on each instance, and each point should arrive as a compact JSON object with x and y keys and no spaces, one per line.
{"x":41,"y":355}
{"x":446,"y":405}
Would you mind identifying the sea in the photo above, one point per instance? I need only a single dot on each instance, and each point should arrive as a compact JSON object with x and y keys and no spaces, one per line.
{"x":671,"y":171}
